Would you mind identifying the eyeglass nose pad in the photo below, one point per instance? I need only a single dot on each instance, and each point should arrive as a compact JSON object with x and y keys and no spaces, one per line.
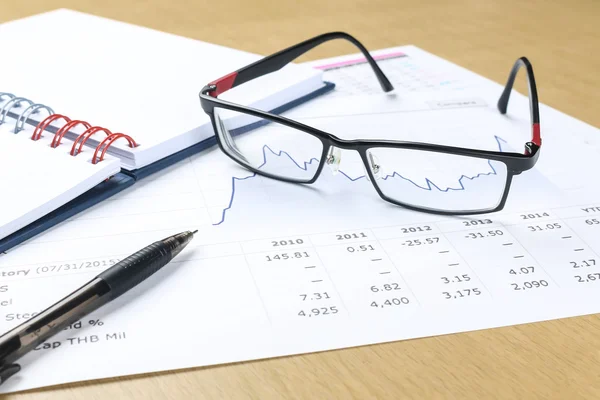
{"x":229,"y":142}
{"x":334,"y":158}
{"x":374,"y":166}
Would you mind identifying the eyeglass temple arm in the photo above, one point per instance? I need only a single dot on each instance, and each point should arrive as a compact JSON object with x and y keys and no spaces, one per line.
{"x":533,"y":98}
{"x":278,"y":60}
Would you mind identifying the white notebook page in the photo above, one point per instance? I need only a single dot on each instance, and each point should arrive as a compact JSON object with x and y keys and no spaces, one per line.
{"x":36,"y":179}
{"x":131,"y":79}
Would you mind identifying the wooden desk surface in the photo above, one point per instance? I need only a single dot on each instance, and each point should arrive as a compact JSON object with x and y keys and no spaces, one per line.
{"x":557,"y":359}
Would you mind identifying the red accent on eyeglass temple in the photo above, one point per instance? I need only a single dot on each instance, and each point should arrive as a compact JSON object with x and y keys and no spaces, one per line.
{"x":223,"y":84}
{"x":536,"y":138}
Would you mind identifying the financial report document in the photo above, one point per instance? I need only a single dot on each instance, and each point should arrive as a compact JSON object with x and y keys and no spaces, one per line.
{"x":279,"y":269}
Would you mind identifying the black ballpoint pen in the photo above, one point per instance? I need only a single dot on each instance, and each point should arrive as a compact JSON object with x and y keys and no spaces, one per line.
{"x":105,"y":287}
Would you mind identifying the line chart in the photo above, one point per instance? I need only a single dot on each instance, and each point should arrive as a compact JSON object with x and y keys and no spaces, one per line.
{"x":304,"y":166}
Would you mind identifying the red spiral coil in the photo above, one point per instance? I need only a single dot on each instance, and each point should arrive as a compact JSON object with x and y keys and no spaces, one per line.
{"x":80,"y":141}
{"x":85,"y":136}
{"x":41,"y":127}
{"x":107,"y":142}
{"x":66,"y":128}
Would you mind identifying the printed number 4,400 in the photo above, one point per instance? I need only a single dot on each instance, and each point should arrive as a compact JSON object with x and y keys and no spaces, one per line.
{"x":391,"y":302}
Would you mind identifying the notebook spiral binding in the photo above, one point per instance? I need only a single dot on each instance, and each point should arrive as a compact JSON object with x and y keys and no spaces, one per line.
{"x":78,"y":143}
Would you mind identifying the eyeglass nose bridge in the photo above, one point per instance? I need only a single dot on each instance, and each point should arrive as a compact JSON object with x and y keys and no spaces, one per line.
{"x":371,"y":164}
{"x":334,"y":154}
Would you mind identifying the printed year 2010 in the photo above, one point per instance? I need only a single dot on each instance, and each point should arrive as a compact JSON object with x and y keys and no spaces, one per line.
{"x":286,"y":242}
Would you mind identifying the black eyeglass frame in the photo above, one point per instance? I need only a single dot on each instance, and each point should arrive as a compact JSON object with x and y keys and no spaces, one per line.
{"x":516,"y":163}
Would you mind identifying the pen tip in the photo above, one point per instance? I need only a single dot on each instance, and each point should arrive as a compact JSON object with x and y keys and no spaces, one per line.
{"x":6,"y":371}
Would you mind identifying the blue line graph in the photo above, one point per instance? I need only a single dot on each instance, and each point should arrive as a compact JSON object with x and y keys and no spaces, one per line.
{"x":431,"y":185}
{"x":266,"y":147}
{"x":304,"y":166}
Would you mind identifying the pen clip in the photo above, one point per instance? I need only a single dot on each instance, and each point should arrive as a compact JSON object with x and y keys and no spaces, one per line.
{"x":8,"y":370}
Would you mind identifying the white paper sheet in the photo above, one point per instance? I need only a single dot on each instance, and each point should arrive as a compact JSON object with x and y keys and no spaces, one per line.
{"x":279,"y":269}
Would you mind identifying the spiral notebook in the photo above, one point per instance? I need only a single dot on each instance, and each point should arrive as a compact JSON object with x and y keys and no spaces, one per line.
{"x":84,"y":116}
{"x":53,"y":180}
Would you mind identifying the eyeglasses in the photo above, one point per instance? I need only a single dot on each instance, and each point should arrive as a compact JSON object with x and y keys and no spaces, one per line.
{"x":419,"y":176}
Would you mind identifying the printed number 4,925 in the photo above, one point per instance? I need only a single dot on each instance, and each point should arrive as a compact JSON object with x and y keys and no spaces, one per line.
{"x":314,"y":312}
